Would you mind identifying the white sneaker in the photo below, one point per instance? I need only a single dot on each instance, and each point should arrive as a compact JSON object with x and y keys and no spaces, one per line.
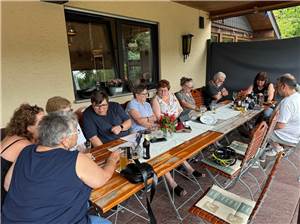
{"x":274,"y":151}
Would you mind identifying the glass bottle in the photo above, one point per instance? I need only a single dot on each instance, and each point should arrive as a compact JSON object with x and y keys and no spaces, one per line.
{"x":146,"y":149}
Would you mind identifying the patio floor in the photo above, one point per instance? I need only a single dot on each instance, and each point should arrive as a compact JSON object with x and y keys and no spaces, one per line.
{"x":281,"y":204}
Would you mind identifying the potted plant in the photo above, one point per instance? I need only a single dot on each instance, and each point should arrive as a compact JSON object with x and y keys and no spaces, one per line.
{"x":115,"y":86}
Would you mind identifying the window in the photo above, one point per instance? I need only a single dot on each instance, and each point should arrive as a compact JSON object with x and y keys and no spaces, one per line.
{"x":227,"y":39}
{"x":215,"y":37}
{"x":105,"y":50}
{"x":242,"y":40}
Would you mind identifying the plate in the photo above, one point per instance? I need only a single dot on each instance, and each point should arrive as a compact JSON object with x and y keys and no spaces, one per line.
{"x":207,"y":119}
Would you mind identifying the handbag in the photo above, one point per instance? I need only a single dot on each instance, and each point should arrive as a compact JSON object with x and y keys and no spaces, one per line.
{"x":139,"y":173}
{"x":224,"y":156}
{"x":134,"y":172}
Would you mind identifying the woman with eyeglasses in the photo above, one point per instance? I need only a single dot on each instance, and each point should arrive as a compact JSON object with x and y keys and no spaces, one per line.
{"x":60,"y":104}
{"x":185,"y":94}
{"x":50,"y":184}
{"x":166,"y":102}
{"x":21,"y":131}
{"x":104,"y":121}
{"x":140,"y":110}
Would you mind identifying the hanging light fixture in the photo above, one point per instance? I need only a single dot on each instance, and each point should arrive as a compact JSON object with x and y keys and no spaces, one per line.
{"x":71,"y":31}
{"x":186,"y":45}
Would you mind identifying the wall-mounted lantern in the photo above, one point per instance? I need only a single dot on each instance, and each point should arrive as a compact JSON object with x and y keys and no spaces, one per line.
{"x":186,"y":45}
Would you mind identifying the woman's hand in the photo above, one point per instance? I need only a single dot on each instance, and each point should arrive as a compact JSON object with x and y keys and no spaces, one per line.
{"x":116,"y":129}
{"x":114,"y":157}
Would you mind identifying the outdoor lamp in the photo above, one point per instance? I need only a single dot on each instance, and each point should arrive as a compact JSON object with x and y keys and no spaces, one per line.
{"x":186,"y":45}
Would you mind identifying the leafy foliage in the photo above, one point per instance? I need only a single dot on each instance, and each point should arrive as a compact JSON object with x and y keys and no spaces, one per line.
{"x":167,"y":123}
{"x":288,"y":20}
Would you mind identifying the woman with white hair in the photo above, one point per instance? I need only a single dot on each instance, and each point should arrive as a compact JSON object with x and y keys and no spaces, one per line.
{"x":50,"y":184}
{"x":215,"y":90}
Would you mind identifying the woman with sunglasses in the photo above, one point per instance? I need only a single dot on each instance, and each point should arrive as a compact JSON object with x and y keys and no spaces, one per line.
{"x":104,"y":121}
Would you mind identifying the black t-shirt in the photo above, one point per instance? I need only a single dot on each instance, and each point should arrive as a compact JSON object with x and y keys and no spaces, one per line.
{"x":97,"y":125}
{"x":263,"y":91}
{"x":211,"y":90}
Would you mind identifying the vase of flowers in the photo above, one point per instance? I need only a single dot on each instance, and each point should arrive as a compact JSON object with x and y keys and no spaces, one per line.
{"x":167,"y":124}
{"x":115,"y":86}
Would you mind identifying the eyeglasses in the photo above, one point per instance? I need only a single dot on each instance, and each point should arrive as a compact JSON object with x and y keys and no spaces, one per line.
{"x":190,"y":87}
{"x":74,"y":132}
{"x":144,"y":94}
{"x":163,"y":90}
{"x":67,"y":109}
{"x":101,"y":105}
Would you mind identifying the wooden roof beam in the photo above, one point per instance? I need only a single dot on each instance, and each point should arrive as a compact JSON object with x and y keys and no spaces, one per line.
{"x":255,"y":9}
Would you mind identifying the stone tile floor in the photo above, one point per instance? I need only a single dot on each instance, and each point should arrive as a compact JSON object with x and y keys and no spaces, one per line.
{"x":281,"y":205}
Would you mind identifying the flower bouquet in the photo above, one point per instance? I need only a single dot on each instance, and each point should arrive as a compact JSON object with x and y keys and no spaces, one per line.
{"x":168,"y":123}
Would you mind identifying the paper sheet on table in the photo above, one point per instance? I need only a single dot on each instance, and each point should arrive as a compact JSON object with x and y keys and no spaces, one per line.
{"x":115,"y":148}
{"x":224,"y":112}
{"x":130,"y":138}
{"x":158,"y":148}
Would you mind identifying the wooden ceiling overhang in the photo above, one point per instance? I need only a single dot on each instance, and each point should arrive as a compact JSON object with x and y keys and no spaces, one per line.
{"x":226,"y":9}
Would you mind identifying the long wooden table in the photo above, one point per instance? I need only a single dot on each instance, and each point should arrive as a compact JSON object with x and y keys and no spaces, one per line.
{"x":118,"y":189}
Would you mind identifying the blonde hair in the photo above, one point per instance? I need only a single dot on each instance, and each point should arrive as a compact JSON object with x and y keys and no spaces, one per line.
{"x":57,"y":103}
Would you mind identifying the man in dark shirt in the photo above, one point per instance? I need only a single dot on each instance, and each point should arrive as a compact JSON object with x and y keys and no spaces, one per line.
{"x":104,"y":121}
{"x":215,"y":90}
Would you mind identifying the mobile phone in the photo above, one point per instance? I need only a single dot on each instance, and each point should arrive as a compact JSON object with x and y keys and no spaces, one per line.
{"x":153,"y":140}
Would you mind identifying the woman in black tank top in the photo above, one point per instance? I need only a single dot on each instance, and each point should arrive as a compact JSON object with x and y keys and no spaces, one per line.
{"x":20,"y":132}
{"x":262,"y":86}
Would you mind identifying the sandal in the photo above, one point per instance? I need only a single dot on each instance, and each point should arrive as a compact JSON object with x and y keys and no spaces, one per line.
{"x":198,"y":174}
{"x":179,"y":191}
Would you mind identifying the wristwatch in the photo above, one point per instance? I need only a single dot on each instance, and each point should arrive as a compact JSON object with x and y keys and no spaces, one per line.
{"x":122,"y":127}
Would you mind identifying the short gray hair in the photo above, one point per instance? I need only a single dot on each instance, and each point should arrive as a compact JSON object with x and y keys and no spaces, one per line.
{"x":219,"y":75}
{"x":56,"y":126}
{"x":288,"y":80}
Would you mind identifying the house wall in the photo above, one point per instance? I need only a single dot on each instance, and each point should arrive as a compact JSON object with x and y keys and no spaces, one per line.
{"x":35,"y":56}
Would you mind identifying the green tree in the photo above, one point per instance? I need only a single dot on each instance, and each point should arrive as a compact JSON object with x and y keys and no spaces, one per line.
{"x":288,"y":20}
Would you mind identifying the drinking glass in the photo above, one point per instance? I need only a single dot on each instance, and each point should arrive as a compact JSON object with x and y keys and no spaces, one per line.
{"x":213,"y":106}
{"x":123,"y":158}
{"x":234,"y":96}
{"x":202,"y":110}
{"x":136,"y":152}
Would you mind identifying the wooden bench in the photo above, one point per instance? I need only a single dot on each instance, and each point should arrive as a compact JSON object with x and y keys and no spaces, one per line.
{"x":198,"y":95}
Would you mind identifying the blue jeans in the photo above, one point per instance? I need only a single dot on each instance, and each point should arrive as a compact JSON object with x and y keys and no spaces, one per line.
{"x":268,"y":112}
{"x":98,"y":220}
